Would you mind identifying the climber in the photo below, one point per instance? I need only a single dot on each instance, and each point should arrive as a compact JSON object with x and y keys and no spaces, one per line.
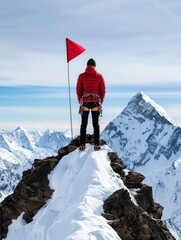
{"x":90,"y":91}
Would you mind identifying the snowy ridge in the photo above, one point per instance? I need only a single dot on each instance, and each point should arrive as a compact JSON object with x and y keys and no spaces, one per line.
{"x":74,"y":211}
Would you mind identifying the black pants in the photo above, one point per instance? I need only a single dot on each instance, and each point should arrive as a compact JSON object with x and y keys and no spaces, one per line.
{"x":95,"y":123}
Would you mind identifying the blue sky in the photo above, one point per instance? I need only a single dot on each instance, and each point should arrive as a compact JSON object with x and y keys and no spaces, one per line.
{"x":136,"y":45}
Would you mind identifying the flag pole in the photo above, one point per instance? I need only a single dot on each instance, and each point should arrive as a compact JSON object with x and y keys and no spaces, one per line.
{"x":70,"y":105}
{"x":73,"y":50}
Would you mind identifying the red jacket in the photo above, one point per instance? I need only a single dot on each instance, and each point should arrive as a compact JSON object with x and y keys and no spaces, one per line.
{"x":90,"y":82}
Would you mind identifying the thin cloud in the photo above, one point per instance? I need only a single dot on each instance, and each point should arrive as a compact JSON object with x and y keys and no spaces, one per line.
{"x":166,"y":10}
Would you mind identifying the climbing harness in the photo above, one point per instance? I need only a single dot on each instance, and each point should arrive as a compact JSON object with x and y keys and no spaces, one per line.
{"x":97,"y":107}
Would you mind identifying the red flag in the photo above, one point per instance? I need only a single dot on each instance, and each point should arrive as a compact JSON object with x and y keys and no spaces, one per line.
{"x":73,"y":49}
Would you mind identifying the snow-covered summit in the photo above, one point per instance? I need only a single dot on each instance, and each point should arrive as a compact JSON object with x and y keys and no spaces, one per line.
{"x":144,"y":105}
{"x":143,"y":133}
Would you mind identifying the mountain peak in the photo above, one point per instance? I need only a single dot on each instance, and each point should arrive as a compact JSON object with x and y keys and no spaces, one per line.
{"x":20,"y":129}
{"x":144,"y":105}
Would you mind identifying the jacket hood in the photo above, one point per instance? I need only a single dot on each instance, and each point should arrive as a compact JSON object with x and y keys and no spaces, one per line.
{"x":90,"y":69}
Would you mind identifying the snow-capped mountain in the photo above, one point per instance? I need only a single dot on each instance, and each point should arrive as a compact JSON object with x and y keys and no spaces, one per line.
{"x":149,"y":141}
{"x":52,"y":140}
{"x":19,"y":148}
{"x":22,"y":138}
{"x":144,"y":133}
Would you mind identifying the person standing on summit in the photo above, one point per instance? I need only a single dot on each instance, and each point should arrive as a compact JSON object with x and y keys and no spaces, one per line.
{"x":90,"y":91}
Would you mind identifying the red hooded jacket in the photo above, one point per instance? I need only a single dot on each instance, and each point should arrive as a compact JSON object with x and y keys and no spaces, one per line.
{"x":90,"y":82}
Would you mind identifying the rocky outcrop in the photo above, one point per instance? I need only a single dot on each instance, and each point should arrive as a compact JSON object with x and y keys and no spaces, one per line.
{"x":130,"y":220}
{"x":29,"y":196}
{"x":140,"y":220}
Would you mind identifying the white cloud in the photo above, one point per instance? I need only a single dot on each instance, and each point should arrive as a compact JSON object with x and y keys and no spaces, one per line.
{"x":131,"y":41}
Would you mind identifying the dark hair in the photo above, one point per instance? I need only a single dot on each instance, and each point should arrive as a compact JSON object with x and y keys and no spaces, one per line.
{"x":91,"y":62}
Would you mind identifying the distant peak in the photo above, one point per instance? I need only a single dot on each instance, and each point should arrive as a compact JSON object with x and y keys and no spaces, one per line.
{"x":20,"y":129}
{"x":49,"y":131}
{"x":141,"y":93}
{"x":141,"y":96}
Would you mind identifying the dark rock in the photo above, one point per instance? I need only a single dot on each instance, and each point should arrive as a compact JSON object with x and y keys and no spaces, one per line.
{"x":114,"y":158}
{"x":131,"y":221}
{"x":117,"y":164}
{"x":134,"y":179}
{"x":145,"y":199}
{"x":29,"y":196}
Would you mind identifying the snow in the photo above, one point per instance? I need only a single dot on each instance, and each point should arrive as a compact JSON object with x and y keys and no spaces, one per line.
{"x":177,"y":164}
{"x":82,"y":181}
{"x":167,"y":188}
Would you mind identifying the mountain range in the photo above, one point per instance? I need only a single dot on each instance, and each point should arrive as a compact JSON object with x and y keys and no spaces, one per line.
{"x":144,"y":137}
{"x":19,"y":148}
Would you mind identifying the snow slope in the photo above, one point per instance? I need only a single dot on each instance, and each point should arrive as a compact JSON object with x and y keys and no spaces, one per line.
{"x":82,"y":181}
{"x":167,"y":191}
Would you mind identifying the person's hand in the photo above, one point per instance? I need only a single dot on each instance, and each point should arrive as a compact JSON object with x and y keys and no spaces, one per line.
{"x":99,"y":108}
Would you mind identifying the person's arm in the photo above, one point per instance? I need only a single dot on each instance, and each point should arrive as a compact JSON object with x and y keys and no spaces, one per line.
{"x":102,"y":89}
{"x":79,"y":89}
